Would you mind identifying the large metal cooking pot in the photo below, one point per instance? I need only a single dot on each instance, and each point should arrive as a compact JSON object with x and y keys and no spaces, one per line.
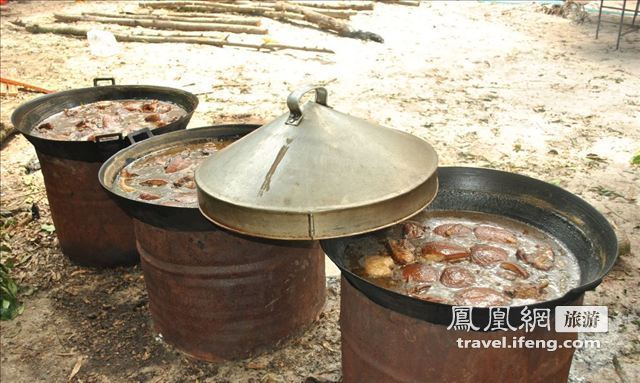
{"x":214,"y":294}
{"x":28,"y":115}
{"x":373,"y":317}
{"x":91,"y":228}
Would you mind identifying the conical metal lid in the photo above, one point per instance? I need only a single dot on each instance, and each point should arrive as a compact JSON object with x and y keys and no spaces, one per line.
{"x":316,"y":173}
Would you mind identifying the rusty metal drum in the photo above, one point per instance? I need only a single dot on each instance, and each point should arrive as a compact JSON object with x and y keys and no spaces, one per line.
{"x":218,"y":296}
{"x":91,"y":228}
{"x":214,"y":294}
{"x":382,"y":345}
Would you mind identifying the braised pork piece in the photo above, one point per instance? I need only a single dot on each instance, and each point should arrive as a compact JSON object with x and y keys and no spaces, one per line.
{"x":85,"y":122}
{"x":166,"y":177}
{"x":466,"y":258}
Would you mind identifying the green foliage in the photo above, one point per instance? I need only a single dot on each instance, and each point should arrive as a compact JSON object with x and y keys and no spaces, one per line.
{"x":48,"y":228}
{"x":10,"y":307}
{"x":635,"y":160}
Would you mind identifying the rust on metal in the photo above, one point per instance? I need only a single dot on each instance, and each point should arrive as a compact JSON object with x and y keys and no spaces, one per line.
{"x":381,"y":345}
{"x":218,"y":296}
{"x":91,"y":228}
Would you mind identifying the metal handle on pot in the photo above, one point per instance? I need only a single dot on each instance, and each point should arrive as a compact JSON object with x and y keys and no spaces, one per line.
{"x":139,"y":135}
{"x":108,"y":137}
{"x":99,"y":79}
{"x":107,"y":144}
{"x":293,"y":102}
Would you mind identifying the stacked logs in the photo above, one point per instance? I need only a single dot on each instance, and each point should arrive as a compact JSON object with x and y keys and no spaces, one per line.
{"x":194,"y":19}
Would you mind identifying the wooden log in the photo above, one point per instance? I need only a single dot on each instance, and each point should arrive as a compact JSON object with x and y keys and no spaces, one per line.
{"x":337,"y":13}
{"x":250,"y":20}
{"x":167,"y":38}
{"x":160,"y":24}
{"x":192,"y":19}
{"x":411,"y":3}
{"x":355,"y":5}
{"x":238,"y":8}
{"x":253,"y":8}
{"x":328,"y":23}
{"x":277,"y":15}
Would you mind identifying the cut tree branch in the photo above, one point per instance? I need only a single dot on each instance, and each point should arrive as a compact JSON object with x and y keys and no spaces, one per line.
{"x":355,"y":5}
{"x":185,"y":18}
{"x":328,"y":23}
{"x":160,"y":24}
{"x":252,"y":8}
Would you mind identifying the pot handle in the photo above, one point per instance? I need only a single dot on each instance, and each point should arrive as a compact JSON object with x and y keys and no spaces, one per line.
{"x":107,"y":144}
{"x":108,"y":137}
{"x":100,"y":79}
{"x":293,"y":102}
{"x":139,"y":135}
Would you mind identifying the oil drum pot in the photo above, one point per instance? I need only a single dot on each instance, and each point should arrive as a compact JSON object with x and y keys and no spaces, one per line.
{"x":214,"y":294}
{"x":91,"y":228}
{"x":390,"y":337}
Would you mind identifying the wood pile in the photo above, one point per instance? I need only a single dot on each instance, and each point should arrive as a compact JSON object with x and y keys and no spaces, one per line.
{"x":190,"y":21}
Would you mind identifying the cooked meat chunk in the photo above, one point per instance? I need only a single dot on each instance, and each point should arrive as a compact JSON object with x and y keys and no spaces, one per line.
{"x":515,"y":268}
{"x":82,"y":125}
{"x":154,"y":117}
{"x":154,"y":182}
{"x":542,"y":258}
{"x":377,"y":266}
{"x":525,"y":290}
{"x":442,"y":251}
{"x":176,"y":164}
{"x":495,"y":234}
{"x":480,"y":297}
{"x":452,"y":230}
{"x":420,"y":273}
{"x":45,"y":126}
{"x":413,"y":230}
{"x":401,"y":251}
{"x":485,"y":255}
{"x":150,"y":106}
{"x":132,"y":106}
{"x":457,"y":277}
{"x":148,"y":196}
{"x":186,"y":181}
{"x":108,"y":122}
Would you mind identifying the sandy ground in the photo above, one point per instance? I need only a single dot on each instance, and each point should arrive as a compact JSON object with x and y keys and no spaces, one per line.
{"x":493,"y":85}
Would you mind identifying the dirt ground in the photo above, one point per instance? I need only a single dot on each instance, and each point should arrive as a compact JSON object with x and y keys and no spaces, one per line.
{"x":494,"y":85}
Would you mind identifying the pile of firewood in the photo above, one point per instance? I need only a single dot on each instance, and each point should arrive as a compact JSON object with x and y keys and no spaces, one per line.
{"x":194,"y":20}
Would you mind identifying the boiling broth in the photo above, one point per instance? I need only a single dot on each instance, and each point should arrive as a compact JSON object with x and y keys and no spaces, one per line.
{"x":85,"y":122}
{"x":511,"y":267}
{"x":166,"y":177}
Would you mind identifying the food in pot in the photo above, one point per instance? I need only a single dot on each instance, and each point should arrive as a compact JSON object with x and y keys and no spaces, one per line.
{"x":540,"y":258}
{"x":486,"y":255}
{"x":377,"y":266}
{"x":413,"y":230}
{"x":452,"y":230}
{"x":401,"y":250}
{"x":494,"y":234}
{"x":466,"y":258}
{"x":166,"y":176}
{"x":443,"y":251}
{"x":420,"y":273}
{"x":457,"y":276}
{"x":85,"y":122}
